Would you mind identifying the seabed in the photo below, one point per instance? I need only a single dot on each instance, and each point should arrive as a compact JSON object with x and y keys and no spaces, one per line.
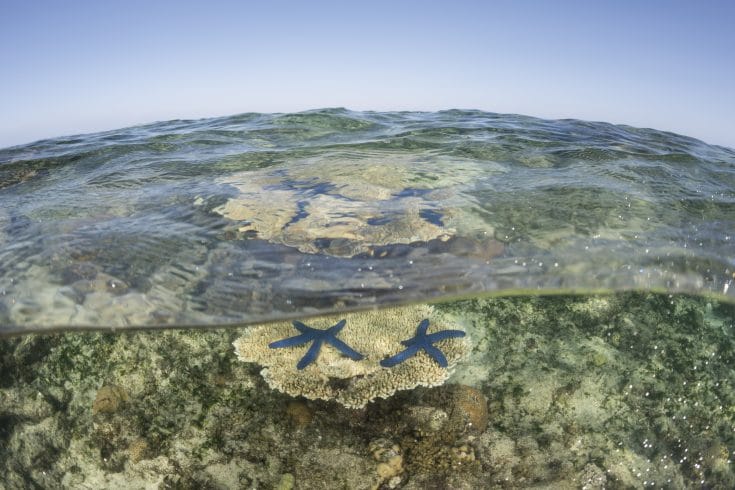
{"x":623,"y":391}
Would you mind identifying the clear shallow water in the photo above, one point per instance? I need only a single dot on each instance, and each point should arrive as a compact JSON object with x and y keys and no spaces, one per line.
{"x":256,"y":217}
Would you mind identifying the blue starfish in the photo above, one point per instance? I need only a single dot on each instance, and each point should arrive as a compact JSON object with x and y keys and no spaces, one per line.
{"x":423,"y":341}
{"x":318,"y":337}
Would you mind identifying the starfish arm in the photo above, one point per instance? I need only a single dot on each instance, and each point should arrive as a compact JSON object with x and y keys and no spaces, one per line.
{"x":444,"y":334}
{"x":345,"y":349}
{"x":334,"y":330}
{"x":436,"y":354}
{"x":423,"y":326}
{"x":310,"y":355}
{"x":400,"y":357}
{"x":301,"y":327}
{"x":291,"y":341}
{"x":411,"y":341}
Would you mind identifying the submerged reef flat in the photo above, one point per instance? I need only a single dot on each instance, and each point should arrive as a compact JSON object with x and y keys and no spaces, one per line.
{"x":625,"y":391}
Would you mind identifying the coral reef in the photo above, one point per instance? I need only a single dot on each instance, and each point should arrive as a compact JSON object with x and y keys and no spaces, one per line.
{"x":626,"y":391}
{"x":332,"y":376}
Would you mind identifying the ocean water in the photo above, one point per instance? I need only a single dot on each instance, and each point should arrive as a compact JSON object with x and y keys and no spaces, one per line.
{"x":590,"y":264}
{"x":257,"y":217}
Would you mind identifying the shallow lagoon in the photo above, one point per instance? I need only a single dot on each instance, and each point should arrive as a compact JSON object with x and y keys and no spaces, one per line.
{"x":590,"y":264}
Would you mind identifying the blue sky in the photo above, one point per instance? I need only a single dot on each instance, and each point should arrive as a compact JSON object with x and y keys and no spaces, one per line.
{"x":82,"y":66}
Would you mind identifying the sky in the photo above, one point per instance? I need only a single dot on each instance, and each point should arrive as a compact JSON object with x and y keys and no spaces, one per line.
{"x":70,"y":67}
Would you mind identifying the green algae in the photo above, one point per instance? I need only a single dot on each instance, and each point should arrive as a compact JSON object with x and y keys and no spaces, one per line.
{"x":619,"y":391}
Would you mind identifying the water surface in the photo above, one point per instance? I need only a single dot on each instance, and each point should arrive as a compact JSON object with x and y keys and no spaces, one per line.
{"x":262,"y":216}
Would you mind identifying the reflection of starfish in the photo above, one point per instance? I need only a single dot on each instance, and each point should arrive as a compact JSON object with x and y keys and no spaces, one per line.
{"x":318,"y":337}
{"x":423,"y":341}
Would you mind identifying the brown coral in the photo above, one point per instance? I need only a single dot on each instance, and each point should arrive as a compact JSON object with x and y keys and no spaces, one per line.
{"x":138,"y":450}
{"x":389,"y":457}
{"x":108,"y":399}
{"x":468,"y":408}
{"x":300,"y":414}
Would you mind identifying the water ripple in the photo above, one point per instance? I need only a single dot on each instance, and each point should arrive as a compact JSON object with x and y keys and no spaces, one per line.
{"x":263,"y":216}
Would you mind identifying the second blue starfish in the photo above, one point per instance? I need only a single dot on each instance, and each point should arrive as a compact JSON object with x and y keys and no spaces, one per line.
{"x":425,"y":342}
{"x":318,"y":337}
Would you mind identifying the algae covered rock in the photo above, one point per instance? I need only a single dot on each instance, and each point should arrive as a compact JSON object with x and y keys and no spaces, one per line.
{"x":376,"y":335}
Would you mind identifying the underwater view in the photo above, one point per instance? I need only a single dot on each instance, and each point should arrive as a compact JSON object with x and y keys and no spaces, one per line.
{"x":368,"y":300}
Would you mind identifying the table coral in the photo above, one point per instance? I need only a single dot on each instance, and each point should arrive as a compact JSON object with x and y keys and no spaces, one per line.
{"x":332,"y":376}
{"x":387,"y":200}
